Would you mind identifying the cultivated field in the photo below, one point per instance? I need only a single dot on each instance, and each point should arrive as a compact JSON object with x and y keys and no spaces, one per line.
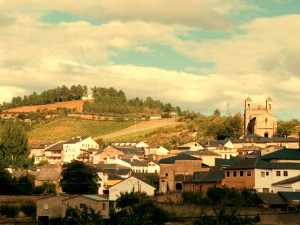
{"x":63,"y":129}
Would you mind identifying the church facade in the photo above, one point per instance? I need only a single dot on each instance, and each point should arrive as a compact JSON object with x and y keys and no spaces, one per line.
{"x":259,"y":120}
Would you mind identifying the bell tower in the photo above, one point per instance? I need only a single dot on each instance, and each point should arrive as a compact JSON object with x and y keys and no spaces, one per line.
{"x":269,"y":105}
{"x":247,"y":113}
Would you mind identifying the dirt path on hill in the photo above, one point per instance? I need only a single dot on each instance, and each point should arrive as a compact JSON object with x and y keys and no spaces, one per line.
{"x":142,"y":126}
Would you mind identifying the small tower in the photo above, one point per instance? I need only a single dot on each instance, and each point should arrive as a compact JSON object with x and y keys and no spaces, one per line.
{"x":269,"y":105}
{"x":247,"y":113}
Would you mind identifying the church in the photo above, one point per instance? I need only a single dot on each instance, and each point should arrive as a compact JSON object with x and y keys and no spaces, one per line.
{"x":259,"y":120}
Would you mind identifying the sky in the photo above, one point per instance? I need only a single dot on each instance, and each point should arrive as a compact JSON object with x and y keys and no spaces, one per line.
{"x":201,"y":55}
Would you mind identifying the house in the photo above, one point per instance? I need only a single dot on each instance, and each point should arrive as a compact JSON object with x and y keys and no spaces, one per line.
{"x":201,"y":182}
{"x":153,"y":166}
{"x":283,"y":155}
{"x":55,"y":207}
{"x":96,"y":202}
{"x":131,"y":184}
{"x":49,"y":208}
{"x":291,"y":184}
{"x":191,"y":146}
{"x":112,"y":180}
{"x":157,"y":150}
{"x":135,"y":165}
{"x":115,"y":169}
{"x":174,"y":170}
{"x":263,"y":176}
{"x":49,"y":174}
{"x":54,"y":153}
{"x":72,"y":148}
{"x":272,"y":200}
{"x":142,"y":145}
{"x":208,"y":157}
{"x":110,"y":152}
{"x":292,"y":199}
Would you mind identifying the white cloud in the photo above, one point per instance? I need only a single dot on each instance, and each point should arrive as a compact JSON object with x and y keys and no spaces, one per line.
{"x":209,"y":14}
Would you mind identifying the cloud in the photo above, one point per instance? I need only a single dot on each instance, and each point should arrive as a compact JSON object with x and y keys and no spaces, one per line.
{"x":208,"y":14}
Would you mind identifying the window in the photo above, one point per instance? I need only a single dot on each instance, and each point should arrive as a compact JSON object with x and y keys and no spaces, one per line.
{"x":267,"y":173}
{"x":166,"y":174}
{"x":248,"y":173}
{"x":262,"y":174}
{"x":278,"y":173}
{"x":82,"y":205}
{"x":227,"y":173}
{"x":285,"y":173}
{"x":234,"y":173}
{"x":46,"y":206}
{"x":241,"y":173}
{"x":103,"y":206}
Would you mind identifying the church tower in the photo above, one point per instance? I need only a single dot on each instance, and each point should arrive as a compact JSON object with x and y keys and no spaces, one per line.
{"x":247,"y":113}
{"x":269,"y":105}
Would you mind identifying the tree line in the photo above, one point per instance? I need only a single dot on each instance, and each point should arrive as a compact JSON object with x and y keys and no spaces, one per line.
{"x":58,"y":94}
{"x":106,"y":100}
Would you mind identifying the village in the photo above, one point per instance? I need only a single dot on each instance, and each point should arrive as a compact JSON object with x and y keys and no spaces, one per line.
{"x":259,"y":160}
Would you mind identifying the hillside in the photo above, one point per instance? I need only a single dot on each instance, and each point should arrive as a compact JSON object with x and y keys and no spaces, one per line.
{"x":62,"y":129}
{"x":76,"y":104}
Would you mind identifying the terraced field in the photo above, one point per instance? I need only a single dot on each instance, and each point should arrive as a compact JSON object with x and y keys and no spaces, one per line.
{"x":63,"y":129}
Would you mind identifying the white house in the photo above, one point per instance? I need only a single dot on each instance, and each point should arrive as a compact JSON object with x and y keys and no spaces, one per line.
{"x":157,"y":150}
{"x":129,"y":185}
{"x":71,"y":148}
{"x":136,"y":165}
{"x":191,"y":146}
{"x":278,"y":177}
{"x":153,"y":167}
{"x":142,"y":145}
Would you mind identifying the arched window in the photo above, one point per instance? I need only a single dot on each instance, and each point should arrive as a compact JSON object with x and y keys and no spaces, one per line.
{"x":178,"y":186}
{"x":248,"y":105}
{"x":266,"y":134}
{"x":270,"y":106}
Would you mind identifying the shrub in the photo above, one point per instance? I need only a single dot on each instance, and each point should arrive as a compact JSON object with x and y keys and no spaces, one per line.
{"x":9,"y":210}
{"x":29,"y":208}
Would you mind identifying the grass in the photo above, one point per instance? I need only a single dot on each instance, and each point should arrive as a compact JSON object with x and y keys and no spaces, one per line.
{"x":63,"y":129}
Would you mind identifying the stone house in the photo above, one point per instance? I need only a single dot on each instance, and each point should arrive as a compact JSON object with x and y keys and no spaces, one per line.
{"x":201,"y":182}
{"x":96,"y":202}
{"x":175,"y":170}
{"x":49,"y":174}
{"x":49,"y":208}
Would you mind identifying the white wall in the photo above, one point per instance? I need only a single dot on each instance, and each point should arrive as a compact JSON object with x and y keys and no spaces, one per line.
{"x":129,"y":185}
{"x":267,"y":181}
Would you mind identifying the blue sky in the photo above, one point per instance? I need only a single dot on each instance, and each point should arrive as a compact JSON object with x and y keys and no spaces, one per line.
{"x":198,"y":54}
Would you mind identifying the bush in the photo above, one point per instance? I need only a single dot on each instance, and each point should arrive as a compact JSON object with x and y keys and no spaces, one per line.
{"x":193,"y":197}
{"x":29,"y":208}
{"x":9,"y":210}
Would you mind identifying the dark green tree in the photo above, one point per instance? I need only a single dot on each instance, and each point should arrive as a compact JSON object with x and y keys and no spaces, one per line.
{"x":137,"y":209}
{"x":217,"y":112}
{"x":14,"y":151}
{"x":84,"y":215}
{"x":6,"y":182}
{"x":79,"y":178}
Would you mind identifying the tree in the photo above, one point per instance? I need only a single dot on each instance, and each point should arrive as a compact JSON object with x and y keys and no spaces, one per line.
{"x":217,"y":112}
{"x":79,"y":178}
{"x":6,"y":182}
{"x":287,"y":128}
{"x":137,"y":209}
{"x":84,"y":215}
{"x":14,"y":151}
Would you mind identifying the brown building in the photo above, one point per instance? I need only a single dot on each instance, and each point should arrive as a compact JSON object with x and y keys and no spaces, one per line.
{"x":201,"y":182}
{"x":177,"y":169}
{"x":259,"y":119}
{"x":241,"y":174}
